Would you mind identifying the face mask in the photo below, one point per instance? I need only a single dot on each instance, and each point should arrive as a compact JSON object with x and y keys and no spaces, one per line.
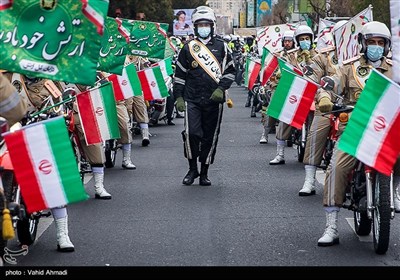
{"x":204,"y":31}
{"x":305,"y":45}
{"x":374,"y":52}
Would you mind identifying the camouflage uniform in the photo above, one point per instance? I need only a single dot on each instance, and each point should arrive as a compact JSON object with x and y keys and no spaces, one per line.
{"x":325,"y":63}
{"x":296,"y":58}
{"x":352,"y":76}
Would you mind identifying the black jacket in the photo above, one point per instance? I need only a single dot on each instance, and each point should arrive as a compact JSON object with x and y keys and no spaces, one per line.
{"x":192,"y":82}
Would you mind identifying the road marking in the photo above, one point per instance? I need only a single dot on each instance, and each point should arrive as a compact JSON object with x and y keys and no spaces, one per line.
{"x":367,"y":238}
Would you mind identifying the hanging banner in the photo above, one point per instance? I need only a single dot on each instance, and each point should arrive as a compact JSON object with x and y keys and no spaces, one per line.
{"x":250,"y":13}
{"x":264,"y":8}
{"x":114,"y":46}
{"x":346,"y":36}
{"x":58,"y":41}
{"x":270,"y":36}
{"x":395,"y":22}
{"x":148,"y":39}
{"x":324,"y":35}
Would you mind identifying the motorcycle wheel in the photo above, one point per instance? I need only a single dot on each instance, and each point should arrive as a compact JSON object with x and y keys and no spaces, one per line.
{"x":381,"y":213}
{"x":362,"y":224}
{"x":27,"y":228}
{"x":110,"y":153}
{"x":9,"y":185}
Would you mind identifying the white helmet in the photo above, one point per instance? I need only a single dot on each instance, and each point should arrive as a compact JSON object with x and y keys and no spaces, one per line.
{"x":374,"y":29}
{"x":288,"y":35}
{"x":303,"y":30}
{"x":203,"y":14}
{"x":227,"y":38}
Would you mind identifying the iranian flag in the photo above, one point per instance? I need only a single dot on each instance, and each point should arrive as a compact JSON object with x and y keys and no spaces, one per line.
{"x":269,"y":63}
{"x":373,"y":131}
{"x":95,"y":11}
{"x":98,"y":114}
{"x":166,"y":67}
{"x":127,"y":84}
{"x":5,"y":4}
{"x":292,"y":99}
{"x":252,"y":70}
{"x":153,"y":83}
{"x":45,"y":165}
{"x":287,"y":66}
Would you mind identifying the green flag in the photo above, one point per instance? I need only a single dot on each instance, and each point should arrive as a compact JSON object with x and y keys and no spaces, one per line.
{"x":60,"y":41}
{"x":148,"y":39}
{"x":114,"y":46}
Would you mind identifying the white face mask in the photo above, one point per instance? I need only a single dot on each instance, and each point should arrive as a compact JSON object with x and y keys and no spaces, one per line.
{"x":204,"y":32}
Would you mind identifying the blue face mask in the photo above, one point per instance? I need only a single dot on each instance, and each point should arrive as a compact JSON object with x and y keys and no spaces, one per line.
{"x":374,"y":52}
{"x":305,"y":44}
{"x":204,"y":31}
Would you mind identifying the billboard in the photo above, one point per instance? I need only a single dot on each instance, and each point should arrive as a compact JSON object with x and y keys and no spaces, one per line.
{"x":250,"y":13}
{"x":182,"y":24}
{"x":264,"y":7}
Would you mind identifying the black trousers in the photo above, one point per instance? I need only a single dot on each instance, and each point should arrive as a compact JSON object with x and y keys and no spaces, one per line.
{"x":202,"y":128}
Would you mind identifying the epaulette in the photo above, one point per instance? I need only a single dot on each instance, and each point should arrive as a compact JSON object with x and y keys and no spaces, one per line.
{"x":327,"y":49}
{"x":2,"y":71}
{"x":389,"y":61}
{"x":351,"y":59}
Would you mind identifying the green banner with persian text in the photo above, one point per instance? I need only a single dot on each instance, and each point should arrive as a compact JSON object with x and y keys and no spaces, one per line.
{"x":53,"y":39}
{"x":114,"y":46}
{"x":148,"y":39}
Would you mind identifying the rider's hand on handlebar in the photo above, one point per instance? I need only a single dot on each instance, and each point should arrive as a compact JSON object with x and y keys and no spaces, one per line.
{"x":325,"y":105}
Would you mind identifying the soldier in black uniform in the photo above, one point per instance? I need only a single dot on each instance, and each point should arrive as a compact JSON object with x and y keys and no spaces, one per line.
{"x":204,"y":71}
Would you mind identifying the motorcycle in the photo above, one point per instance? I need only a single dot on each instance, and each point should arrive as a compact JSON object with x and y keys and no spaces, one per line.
{"x":25,"y":224}
{"x":370,"y":195}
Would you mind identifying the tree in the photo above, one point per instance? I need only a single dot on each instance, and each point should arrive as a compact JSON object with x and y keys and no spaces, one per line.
{"x":187,"y":4}
{"x":380,"y":11}
{"x":156,"y":10}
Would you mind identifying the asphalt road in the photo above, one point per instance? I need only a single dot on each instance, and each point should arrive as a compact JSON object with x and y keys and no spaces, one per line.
{"x":251,"y":215}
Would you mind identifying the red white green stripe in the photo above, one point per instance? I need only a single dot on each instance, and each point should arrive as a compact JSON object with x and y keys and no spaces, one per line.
{"x":373,"y":131}
{"x":96,"y":11}
{"x":44,"y":165}
{"x":127,"y":84}
{"x":269,"y":63}
{"x":123,"y":30}
{"x":5,"y":4}
{"x":284,"y":65}
{"x":292,"y":99}
{"x":153,"y":84}
{"x":252,"y":70}
{"x":98,"y":114}
{"x":166,"y":67}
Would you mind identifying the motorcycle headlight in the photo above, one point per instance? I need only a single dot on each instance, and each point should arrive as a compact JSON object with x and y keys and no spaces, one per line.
{"x":343,"y":117}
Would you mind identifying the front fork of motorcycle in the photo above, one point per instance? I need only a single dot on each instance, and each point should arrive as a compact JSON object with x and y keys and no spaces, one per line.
{"x":370,"y":184}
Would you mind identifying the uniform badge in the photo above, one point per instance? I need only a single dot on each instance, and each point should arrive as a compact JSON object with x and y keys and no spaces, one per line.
{"x":334,"y":60}
{"x":194,"y":64}
{"x":196,"y":48}
{"x":299,"y":59}
{"x":362,"y":71}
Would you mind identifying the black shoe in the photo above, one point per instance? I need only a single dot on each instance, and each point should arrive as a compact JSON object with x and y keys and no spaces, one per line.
{"x":170,"y":123}
{"x":204,"y":181}
{"x":190,"y":176}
